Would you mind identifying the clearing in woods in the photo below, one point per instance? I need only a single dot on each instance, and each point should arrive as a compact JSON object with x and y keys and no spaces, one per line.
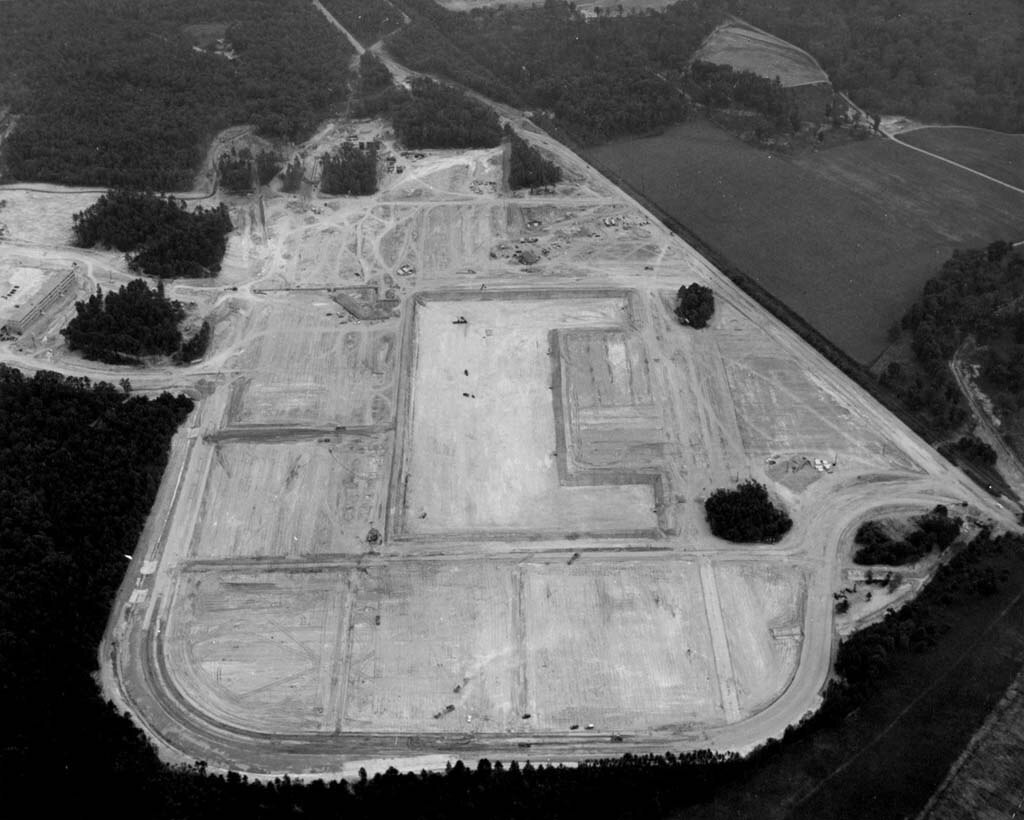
{"x":442,"y":494}
{"x":747,"y":48}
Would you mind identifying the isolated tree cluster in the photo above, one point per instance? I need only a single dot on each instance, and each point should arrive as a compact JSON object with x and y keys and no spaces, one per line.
{"x":933,"y":531}
{"x":746,"y":514}
{"x":973,"y":449}
{"x":350,"y":170}
{"x":721,"y":86}
{"x":134,"y":321}
{"x":527,"y":167}
{"x":695,"y":305}
{"x":160,"y":236}
{"x":237,"y":169}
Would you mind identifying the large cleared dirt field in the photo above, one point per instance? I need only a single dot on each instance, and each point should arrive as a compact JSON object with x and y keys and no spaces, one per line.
{"x":442,"y":493}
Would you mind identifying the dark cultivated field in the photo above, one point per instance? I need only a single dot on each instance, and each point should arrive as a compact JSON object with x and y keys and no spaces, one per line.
{"x":845,"y":236}
{"x":991,"y":152}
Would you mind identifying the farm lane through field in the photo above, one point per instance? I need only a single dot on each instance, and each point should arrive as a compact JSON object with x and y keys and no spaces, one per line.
{"x":277,"y":619}
{"x":895,"y":138}
{"x":845,"y":236}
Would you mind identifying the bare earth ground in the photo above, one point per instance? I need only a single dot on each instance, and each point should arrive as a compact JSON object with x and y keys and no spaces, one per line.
{"x":456,"y":509}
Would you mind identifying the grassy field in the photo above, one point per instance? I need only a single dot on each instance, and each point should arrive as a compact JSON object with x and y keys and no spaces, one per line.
{"x":746,"y":48}
{"x":991,"y":152}
{"x":845,"y":236}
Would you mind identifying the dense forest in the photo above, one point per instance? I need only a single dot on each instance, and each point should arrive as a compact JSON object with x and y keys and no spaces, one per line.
{"x":79,"y":469}
{"x":933,"y":531}
{"x":122,"y":94}
{"x":132,"y":322}
{"x":695,"y":305}
{"x":599,"y":80}
{"x":935,"y":60}
{"x":746,"y":514}
{"x":527,"y":168}
{"x":623,"y":74}
{"x":376,"y":92}
{"x":80,"y":465}
{"x":976,"y":296}
{"x":366,"y":20}
{"x":160,"y":236}
{"x":435,"y":115}
{"x":349,"y":170}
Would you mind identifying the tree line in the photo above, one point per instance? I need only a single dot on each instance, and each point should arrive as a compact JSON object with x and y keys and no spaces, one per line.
{"x":932,"y":532}
{"x":366,"y":20}
{"x":527,"y":167}
{"x":130,"y":323}
{"x":622,"y":74}
{"x":349,"y":170}
{"x":436,"y":115}
{"x":938,"y":62}
{"x":117,"y":94}
{"x":977,"y":293}
{"x":159,"y":235}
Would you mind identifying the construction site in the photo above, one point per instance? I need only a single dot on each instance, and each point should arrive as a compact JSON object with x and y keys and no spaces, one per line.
{"x":442,"y":495}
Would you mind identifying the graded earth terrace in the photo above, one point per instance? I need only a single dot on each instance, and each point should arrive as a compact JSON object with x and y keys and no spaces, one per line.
{"x":442,"y":493}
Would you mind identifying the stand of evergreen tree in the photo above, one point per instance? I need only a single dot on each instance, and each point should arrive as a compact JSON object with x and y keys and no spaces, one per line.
{"x":746,"y":514}
{"x":116,"y":94}
{"x":695,"y":305}
{"x":126,"y":324}
{"x":80,"y":465}
{"x":130,"y":323}
{"x":972,"y":449}
{"x":721,"y":86}
{"x":234,"y":170}
{"x":377,"y":93}
{"x":293,"y":176}
{"x":527,"y":168}
{"x":974,"y":296}
{"x":367,"y":20}
{"x":435,"y":115}
{"x":933,"y":531}
{"x":195,"y":348}
{"x":167,"y":240}
{"x":268,"y":166}
{"x":350,"y":171}
{"x":620,"y":74}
